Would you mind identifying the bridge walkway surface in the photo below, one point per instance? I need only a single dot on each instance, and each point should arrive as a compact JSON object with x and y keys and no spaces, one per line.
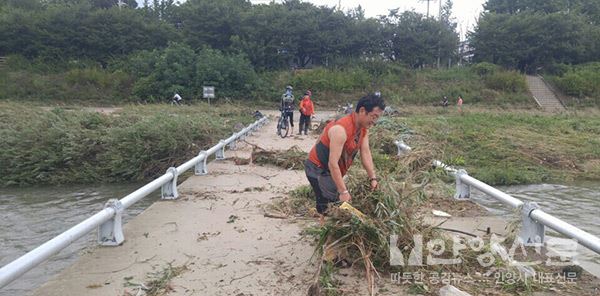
{"x":217,"y":229}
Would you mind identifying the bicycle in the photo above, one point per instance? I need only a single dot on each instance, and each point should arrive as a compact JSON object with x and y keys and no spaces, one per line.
{"x":175,"y":102}
{"x":282,"y":125}
{"x":345,"y":109}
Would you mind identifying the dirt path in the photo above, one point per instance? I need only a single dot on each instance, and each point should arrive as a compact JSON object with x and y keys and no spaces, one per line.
{"x":217,"y":229}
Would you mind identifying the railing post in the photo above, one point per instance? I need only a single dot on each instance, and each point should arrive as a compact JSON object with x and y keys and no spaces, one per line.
{"x":110,"y":233}
{"x":532,"y":233}
{"x":201,"y":168}
{"x":169,"y":189}
{"x":220,"y":154}
{"x":232,"y":145}
{"x":463,"y":191}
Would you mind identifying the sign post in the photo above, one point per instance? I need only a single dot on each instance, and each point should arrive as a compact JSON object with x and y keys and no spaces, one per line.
{"x":208,"y":92}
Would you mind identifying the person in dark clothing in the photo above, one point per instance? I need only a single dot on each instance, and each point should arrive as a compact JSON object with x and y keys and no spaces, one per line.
{"x":287,"y":107}
{"x":445,"y":102}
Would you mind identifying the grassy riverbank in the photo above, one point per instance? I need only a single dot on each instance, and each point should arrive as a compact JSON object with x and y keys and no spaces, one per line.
{"x":481,"y":84}
{"x":62,"y":146}
{"x":516,"y":147}
{"x":119,"y":84}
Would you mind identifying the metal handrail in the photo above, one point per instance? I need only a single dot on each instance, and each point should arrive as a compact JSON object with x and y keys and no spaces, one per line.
{"x":534,"y":219}
{"x":586,"y":239}
{"x":108,"y":220}
{"x":491,"y":191}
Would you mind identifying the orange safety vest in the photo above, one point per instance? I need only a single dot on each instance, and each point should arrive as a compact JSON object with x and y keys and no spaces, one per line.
{"x":319,"y":154}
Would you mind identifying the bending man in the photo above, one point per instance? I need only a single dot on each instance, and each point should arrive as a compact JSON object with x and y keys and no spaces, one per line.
{"x":332,"y":156}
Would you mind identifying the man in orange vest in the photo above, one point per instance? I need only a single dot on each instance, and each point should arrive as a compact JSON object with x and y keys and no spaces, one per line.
{"x":307,"y":109}
{"x":332,"y":156}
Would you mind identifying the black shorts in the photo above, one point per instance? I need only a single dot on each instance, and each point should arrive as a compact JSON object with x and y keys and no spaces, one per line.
{"x":323,"y":186}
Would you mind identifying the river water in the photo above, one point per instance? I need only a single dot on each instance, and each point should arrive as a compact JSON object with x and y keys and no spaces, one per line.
{"x":29,"y":217}
{"x":578,"y":205}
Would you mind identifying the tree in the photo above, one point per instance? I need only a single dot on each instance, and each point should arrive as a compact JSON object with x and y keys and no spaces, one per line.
{"x":262,"y":36}
{"x":526,"y":42}
{"x":516,"y":6}
{"x":21,"y":29}
{"x":113,"y":3}
{"x":232,"y":75}
{"x":528,"y":34}
{"x":161,"y":73}
{"x":211,"y":22}
{"x":414,"y":39}
{"x":73,"y":31}
{"x":178,"y":68}
{"x":299,"y":33}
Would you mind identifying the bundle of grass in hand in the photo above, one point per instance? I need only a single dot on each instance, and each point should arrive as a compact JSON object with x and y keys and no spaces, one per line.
{"x":390,"y":210}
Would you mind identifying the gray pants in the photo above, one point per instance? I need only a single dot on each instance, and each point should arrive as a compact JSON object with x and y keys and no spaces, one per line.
{"x":322,"y":184}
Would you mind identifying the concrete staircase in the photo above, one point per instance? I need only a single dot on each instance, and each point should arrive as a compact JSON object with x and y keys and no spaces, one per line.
{"x":543,"y":95}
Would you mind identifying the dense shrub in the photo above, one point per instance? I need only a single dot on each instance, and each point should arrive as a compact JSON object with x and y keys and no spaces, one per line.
{"x":333,"y":86}
{"x":322,"y":79}
{"x":581,"y":81}
{"x":485,"y":68}
{"x":178,"y":68}
{"x":160,"y":73}
{"x":231,"y":75}
{"x":509,"y":81}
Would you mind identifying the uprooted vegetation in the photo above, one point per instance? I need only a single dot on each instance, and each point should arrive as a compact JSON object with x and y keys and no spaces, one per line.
{"x":157,"y":283}
{"x":291,"y":159}
{"x":409,"y":184}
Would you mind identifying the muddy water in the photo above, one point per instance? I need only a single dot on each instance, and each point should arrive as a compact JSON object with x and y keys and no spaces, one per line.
{"x":578,"y":205}
{"x":32,"y":216}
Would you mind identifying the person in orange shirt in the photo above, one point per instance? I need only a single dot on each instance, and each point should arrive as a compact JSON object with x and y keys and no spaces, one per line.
{"x":307,"y":109}
{"x":333,"y":154}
